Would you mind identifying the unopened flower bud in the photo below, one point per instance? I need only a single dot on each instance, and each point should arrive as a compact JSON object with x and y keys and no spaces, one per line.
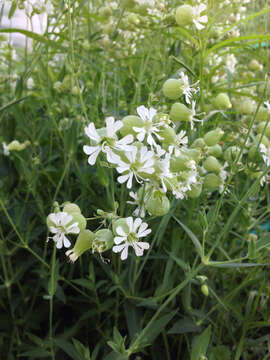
{"x":205,"y":290}
{"x":212,"y":164}
{"x":179,"y":112}
{"x":215,"y":150}
{"x":184,"y":15}
{"x":212,"y":182}
{"x":172,"y":88}
{"x":212,"y":137}
{"x":15,"y":145}
{"x":83,"y":243}
{"x":222,"y":101}
{"x":157,"y":204}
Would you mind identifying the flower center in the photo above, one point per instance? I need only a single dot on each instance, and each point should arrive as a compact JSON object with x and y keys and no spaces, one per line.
{"x":132,"y":238}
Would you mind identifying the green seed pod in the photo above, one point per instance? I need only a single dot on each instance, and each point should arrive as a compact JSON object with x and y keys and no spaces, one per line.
{"x":264,"y":89}
{"x":79,"y":218}
{"x":254,"y":65}
{"x":133,"y":19}
{"x":199,"y":143}
{"x":120,"y":223}
{"x":128,"y":123}
{"x":231,"y":153}
{"x":212,"y":137}
{"x":265,"y":141}
{"x":195,"y":191}
{"x":222,"y":101}
{"x":262,"y":115}
{"x":212,"y":182}
{"x":71,"y":208}
{"x":179,"y":163}
{"x":83,"y":243}
{"x":103,"y":240}
{"x":105,"y":12}
{"x":215,"y":150}
{"x":184,"y":15}
{"x":212,"y":164}
{"x":157,"y":204}
{"x":179,"y":112}
{"x":168,"y":134}
{"x":173,"y":88}
{"x":205,"y":290}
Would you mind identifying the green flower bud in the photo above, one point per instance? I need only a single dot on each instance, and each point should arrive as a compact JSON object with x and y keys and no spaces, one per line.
{"x":105,"y":11}
{"x":120,"y":223}
{"x":184,"y":15}
{"x":199,"y":143}
{"x":173,"y":88}
{"x":79,"y":218}
{"x":168,"y":135}
{"x":222,"y":101}
{"x":133,"y":19}
{"x":245,"y":107}
{"x":215,"y":150}
{"x":179,"y":112}
{"x":157,"y":204}
{"x":231,"y":153}
{"x":212,"y":164}
{"x":212,"y":137}
{"x":103,"y":240}
{"x":211,"y":182}
{"x":254,"y":65}
{"x":15,"y":145}
{"x":205,"y":290}
{"x":195,"y":191}
{"x":83,"y":243}
{"x":128,"y":123}
{"x":71,"y":208}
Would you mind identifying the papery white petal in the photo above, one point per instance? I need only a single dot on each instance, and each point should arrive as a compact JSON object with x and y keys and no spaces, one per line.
{"x":136,"y":224}
{"x":203,"y":19}
{"x":141,"y":135}
{"x":124,"y":253}
{"x":142,"y":112}
{"x":120,"y":231}
{"x":66,"y":242}
{"x":93,"y":157}
{"x":129,"y":183}
{"x":129,"y":222}
{"x":118,"y":248}
{"x":65,"y":218}
{"x":123,"y":178}
{"x":119,"y":239}
{"x":144,"y":233}
{"x":92,"y":133}
{"x":152,"y":113}
{"x":128,"y":139}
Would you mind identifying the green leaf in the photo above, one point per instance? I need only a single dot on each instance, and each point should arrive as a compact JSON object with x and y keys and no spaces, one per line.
{"x":183,"y":326}
{"x":12,"y":8}
{"x":133,"y":319}
{"x":35,"y":353}
{"x":84,"y":283}
{"x":200,"y":344}
{"x":69,"y":349}
{"x":158,"y":326}
{"x":193,"y":238}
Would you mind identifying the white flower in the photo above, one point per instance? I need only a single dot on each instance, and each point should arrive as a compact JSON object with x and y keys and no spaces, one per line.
{"x":61,"y":228}
{"x":180,"y":141}
{"x":5,"y":149}
{"x":106,"y":143}
{"x":265,"y":154}
{"x":140,"y":210}
{"x":193,"y":114}
{"x":231,"y":62}
{"x":136,"y":230}
{"x":149,"y":128}
{"x":197,"y":18}
{"x":139,"y":163}
{"x":188,"y":89}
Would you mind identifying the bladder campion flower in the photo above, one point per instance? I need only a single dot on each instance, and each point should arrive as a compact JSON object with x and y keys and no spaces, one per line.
{"x":61,"y":224}
{"x":130,"y":236}
{"x":265,"y":154}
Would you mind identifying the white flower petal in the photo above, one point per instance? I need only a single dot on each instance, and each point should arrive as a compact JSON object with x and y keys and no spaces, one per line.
{"x":142,"y":112}
{"x":67,"y":243}
{"x":136,"y":224}
{"x":129,"y":222}
{"x":119,"y":231}
{"x":124,"y":253}
{"x":119,"y":239}
{"x":118,"y":248}
{"x":92,"y":133}
{"x":144,"y":233}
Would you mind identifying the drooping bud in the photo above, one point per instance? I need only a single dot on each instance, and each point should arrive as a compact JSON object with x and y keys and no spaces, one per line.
{"x":212,"y":164}
{"x":205,"y":290}
{"x":212,"y":137}
{"x":15,"y":145}
{"x":157,"y":204}
{"x":83,"y":243}
{"x":184,"y":15}
{"x":222,"y":101}
{"x":172,"y":88}
{"x":254,"y":65}
{"x":179,"y":112}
